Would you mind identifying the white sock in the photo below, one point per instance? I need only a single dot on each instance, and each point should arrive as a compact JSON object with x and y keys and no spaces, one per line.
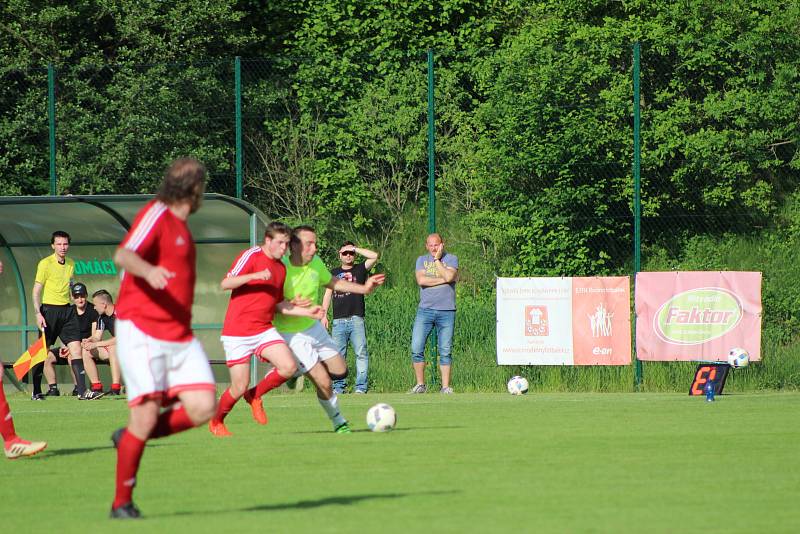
{"x":331,"y":407}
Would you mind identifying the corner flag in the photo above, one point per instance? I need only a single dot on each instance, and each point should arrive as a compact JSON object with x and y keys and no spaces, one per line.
{"x":35,"y":354}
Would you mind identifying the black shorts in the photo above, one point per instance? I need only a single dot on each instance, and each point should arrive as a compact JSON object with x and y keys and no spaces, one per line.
{"x":62,"y":322}
{"x":59,"y":360}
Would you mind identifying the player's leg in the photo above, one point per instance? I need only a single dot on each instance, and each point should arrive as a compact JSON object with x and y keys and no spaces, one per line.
{"x":76,"y":370}
{"x":13,"y":445}
{"x":359,"y":340}
{"x":90,"y":367}
{"x":284,"y":367}
{"x":445,"y":326}
{"x":423,"y":323}
{"x":327,"y":398}
{"x":116,"y":377}
{"x":130,"y":443}
{"x":340,"y":333}
{"x":238,"y":352}
{"x":144,"y":367}
{"x":240,"y":379}
{"x":50,"y":374}
{"x":190,"y":380}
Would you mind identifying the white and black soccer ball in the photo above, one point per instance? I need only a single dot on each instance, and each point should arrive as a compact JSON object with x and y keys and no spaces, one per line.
{"x":738,"y":358}
{"x":518,"y":385}
{"x":381,"y":418}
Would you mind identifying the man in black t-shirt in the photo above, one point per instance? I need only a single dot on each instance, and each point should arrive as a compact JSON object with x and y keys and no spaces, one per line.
{"x":87,"y":322}
{"x":348,"y":312}
{"x":104,"y":349}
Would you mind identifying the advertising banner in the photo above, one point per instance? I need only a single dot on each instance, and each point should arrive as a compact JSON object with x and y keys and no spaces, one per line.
{"x":697,"y":316}
{"x":563,"y":321}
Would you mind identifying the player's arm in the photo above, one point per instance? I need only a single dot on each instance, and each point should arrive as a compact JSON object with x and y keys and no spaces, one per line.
{"x":326,"y":304}
{"x":155,"y":275}
{"x":36,"y":298}
{"x":86,"y":342}
{"x":287,"y":308}
{"x":370,"y":255}
{"x":343,"y":286}
{"x":232,"y":282}
{"x":105,"y":342}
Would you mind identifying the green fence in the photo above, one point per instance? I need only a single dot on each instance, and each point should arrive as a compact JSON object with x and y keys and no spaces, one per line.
{"x":574,"y":157}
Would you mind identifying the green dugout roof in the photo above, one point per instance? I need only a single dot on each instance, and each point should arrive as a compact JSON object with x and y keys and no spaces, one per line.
{"x":221,"y":228}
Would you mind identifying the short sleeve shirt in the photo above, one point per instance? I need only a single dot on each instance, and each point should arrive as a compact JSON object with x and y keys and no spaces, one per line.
{"x":349,"y":304}
{"x":106,"y":322}
{"x":85,"y":321}
{"x":441,"y":297}
{"x":252,"y":305}
{"x":160,"y":238}
{"x":305,"y":282}
{"x":55,"y":278}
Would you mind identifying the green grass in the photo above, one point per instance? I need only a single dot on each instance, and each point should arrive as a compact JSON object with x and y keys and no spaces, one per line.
{"x":472,"y":462}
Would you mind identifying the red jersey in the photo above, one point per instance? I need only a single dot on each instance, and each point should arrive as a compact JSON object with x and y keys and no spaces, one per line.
{"x":160,"y":238}
{"x":252,"y":305}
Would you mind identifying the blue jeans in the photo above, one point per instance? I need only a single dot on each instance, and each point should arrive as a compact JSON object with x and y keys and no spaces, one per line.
{"x":426,"y":320}
{"x":352,"y":329}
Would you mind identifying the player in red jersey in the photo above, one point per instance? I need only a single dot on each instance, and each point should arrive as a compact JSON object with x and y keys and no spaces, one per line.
{"x":256,"y":284}
{"x":161,"y":360}
{"x":13,"y":445}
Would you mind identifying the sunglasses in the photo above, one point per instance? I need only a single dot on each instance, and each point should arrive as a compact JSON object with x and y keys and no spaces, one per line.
{"x":348,"y":253}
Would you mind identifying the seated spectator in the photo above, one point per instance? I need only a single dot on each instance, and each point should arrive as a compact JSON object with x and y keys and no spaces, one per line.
{"x":104,"y":349}
{"x":87,"y":322}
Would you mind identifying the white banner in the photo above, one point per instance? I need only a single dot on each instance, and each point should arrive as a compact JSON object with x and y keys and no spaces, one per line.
{"x":563,"y":321}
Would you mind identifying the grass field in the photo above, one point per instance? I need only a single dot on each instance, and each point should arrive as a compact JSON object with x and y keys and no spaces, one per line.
{"x":463,"y":463}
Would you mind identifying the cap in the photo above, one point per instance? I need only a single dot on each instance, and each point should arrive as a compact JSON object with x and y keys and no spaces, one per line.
{"x":79,"y":290}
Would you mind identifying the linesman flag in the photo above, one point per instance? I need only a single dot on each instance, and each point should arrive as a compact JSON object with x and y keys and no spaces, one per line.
{"x":36,"y":353}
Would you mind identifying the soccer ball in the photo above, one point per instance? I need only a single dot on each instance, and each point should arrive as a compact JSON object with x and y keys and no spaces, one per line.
{"x":517,"y":385}
{"x":381,"y":418}
{"x":738,"y":358}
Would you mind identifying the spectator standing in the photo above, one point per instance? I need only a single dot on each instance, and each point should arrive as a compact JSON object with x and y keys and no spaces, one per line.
{"x":436,"y":274}
{"x":348,"y":312}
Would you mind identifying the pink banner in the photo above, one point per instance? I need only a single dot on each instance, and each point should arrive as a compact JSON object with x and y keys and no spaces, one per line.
{"x":697,"y":316}
{"x":601,"y":326}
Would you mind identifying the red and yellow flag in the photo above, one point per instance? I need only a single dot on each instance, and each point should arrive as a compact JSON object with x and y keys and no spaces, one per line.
{"x":36,"y":353}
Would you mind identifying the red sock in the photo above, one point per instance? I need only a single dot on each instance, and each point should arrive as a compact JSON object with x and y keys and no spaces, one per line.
{"x":226,"y":404}
{"x":97,"y":386}
{"x":129,"y":454}
{"x":116,"y":387}
{"x":6,"y":422}
{"x":270,"y":382}
{"x":171,"y":422}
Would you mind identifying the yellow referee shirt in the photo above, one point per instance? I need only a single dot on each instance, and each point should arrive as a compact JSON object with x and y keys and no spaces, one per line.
{"x":55,"y":278}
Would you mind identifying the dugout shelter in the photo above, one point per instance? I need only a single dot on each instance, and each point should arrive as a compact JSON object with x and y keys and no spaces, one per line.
{"x":97,"y":223}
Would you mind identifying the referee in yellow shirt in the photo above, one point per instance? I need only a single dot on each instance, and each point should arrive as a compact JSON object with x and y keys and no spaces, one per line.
{"x":55,"y":313}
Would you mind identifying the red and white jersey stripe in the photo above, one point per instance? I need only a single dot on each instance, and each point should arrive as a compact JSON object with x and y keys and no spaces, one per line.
{"x":160,"y":238}
{"x":252,"y":306}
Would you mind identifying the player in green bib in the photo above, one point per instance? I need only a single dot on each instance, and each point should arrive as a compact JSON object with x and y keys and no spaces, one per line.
{"x":316,"y":353}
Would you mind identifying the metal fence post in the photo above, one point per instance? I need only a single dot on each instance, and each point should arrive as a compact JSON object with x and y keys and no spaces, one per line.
{"x":51,"y":115}
{"x":239,"y":155}
{"x":637,"y":202}
{"x":434,"y":377}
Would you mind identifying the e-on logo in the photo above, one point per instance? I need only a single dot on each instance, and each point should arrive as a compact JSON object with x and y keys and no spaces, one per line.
{"x":697,"y":316}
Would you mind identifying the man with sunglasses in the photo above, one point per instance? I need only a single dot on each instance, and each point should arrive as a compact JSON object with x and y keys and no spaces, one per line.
{"x":348,"y":312}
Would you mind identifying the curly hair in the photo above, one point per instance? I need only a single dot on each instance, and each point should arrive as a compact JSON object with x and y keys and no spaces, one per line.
{"x":184,"y":181}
